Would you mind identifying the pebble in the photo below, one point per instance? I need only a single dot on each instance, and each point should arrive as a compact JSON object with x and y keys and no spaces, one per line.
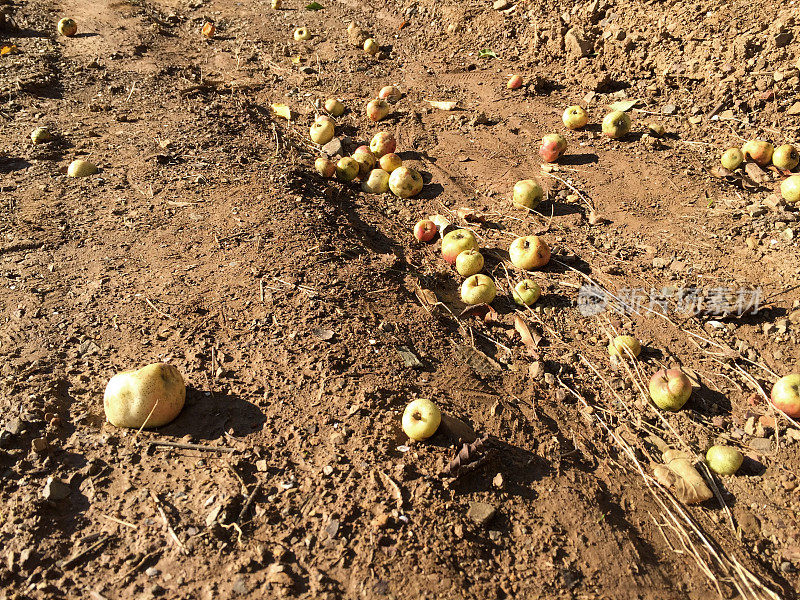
{"x":152,"y":572}
{"x":55,"y":489}
{"x":501,"y":4}
{"x":793,"y":434}
{"x":333,"y":148}
{"x":240,"y":585}
{"x":669,"y":109}
{"x":498,"y":481}
{"x":536,"y":369}
{"x":761,"y":445}
{"x":481,"y":512}
{"x":39,"y":445}
{"x":15,"y":426}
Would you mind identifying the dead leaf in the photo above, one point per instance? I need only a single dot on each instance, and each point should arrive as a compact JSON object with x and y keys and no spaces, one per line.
{"x":281,"y":110}
{"x":531,"y":342}
{"x":442,"y":104}
{"x":794,"y":109}
{"x":470,"y":215}
{"x":624,"y":105}
{"x":482,"y":311}
{"x":426,"y":297}
{"x":679,"y":475}
{"x":482,"y":364}
{"x":457,"y":429}
{"x":755,"y":172}
{"x":720,"y":172}
{"x":442,"y":223}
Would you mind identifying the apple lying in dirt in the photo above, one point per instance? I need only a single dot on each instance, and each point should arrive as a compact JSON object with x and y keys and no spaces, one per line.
{"x":276,"y":4}
{"x":150,"y":397}
{"x":377,"y":182}
{"x":469,"y":262}
{"x":790,"y":189}
{"x":425,"y":230}
{"x":421,"y":419}
{"x":457,"y":241}
{"x":365,"y":159}
{"x":786,"y":395}
{"x":758,"y":151}
{"x":575,"y":117}
{"x":40,"y":135}
{"x":785,"y":157}
{"x":67,"y":27}
{"x":616,"y":124}
{"x":382,"y":143}
{"x":390,"y":162}
{"x":478,"y":289}
{"x":732,"y":159}
{"x":208,"y":30}
{"x":553,"y":146}
{"x":346,"y":169}
{"x":334,"y":107}
{"x":724,"y":460}
{"x":301,"y":34}
{"x":378,"y":109}
{"x":322,"y":130}
{"x":625,"y":345}
{"x":527,"y":194}
{"x":515,"y":82}
{"x":325,"y":167}
{"x":529,"y":252}
{"x":670,"y":389}
{"x":405,"y":182}
{"x":526,"y":292}
{"x":371,"y":47}
{"x":390,"y":93}
{"x":81,"y":168}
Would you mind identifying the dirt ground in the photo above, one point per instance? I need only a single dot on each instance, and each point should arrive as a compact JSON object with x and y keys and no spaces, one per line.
{"x":304,"y":316}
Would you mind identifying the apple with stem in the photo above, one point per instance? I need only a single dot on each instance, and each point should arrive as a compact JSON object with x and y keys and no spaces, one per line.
{"x":515,"y":82}
{"x":529,"y":252}
{"x":67,"y":27}
{"x":732,"y":159}
{"x":457,"y":241}
{"x":526,"y":292}
{"x":325,"y":167}
{"x":553,"y":146}
{"x":322,"y":130}
{"x":346,"y":169}
{"x":425,"y":230}
{"x":378,"y":109}
{"x":469,"y":262}
{"x":382,"y":143}
{"x":786,"y":395}
{"x":390,"y":162}
{"x":670,"y":389}
{"x":625,"y":346}
{"x":616,"y":124}
{"x":785,"y":157}
{"x":760,"y":152}
{"x":377,"y":182}
{"x":334,"y":107}
{"x":790,"y":189}
{"x":478,"y":289}
{"x":575,"y":117}
{"x":405,"y":182}
{"x":421,"y":419}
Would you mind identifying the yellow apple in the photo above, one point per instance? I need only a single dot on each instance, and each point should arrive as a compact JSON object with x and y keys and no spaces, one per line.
{"x":530,"y":252}
{"x":616,"y":124}
{"x":301,"y":34}
{"x":150,"y":397}
{"x":526,"y":292}
{"x":421,"y":419}
{"x":724,"y":460}
{"x":527,"y":194}
{"x":377,"y":182}
{"x":334,"y":107}
{"x":785,"y":157}
{"x":478,"y":289}
{"x":67,"y":27}
{"x":625,"y":345}
{"x":732,"y":158}
{"x":81,"y":168}
{"x":575,"y":117}
{"x":790,"y":189}
{"x":457,"y":241}
{"x":322,"y":130}
{"x":469,"y":262}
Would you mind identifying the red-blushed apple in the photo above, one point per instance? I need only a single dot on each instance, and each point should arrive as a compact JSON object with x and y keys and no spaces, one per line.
{"x":346,"y":169}
{"x":724,"y":460}
{"x":670,"y":389}
{"x":390,"y":162}
{"x":469,"y":262}
{"x":457,"y":241}
{"x":527,"y":194}
{"x":785,"y":157}
{"x":760,"y":152}
{"x":325,"y":167}
{"x":529,"y":252}
{"x":425,"y":230}
{"x":67,"y":27}
{"x":790,"y":189}
{"x":616,"y":124}
{"x":365,"y":159}
{"x":515,"y":82}
{"x":377,"y":182}
{"x":371,"y":47}
{"x":526,"y":292}
{"x":626,"y":346}
{"x":478,"y":289}
{"x":378,"y":109}
{"x":553,"y":146}
{"x":786,"y":395}
{"x":575,"y":117}
{"x":732,"y":159}
{"x":390,"y":93}
{"x":382,"y":143}
{"x":322,"y":130}
{"x":421,"y":419}
{"x":334,"y":107}
{"x":405,"y":182}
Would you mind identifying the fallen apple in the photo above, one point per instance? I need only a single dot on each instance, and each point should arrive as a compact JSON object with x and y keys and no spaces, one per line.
{"x":758,"y":151}
{"x":670,"y":389}
{"x":371,"y":47}
{"x":322,"y":130}
{"x":785,"y":157}
{"x":382,"y":143}
{"x":625,"y":345}
{"x":365,"y":159}
{"x":325,"y":167}
{"x":378,"y":109}
{"x":526,"y":292}
{"x":790,"y":189}
{"x":469,"y":262}
{"x":40,"y":135}
{"x":276,"y":4}
{"x":67,"y":27}
{"x":575,"y":117}
{"x":457,"y":241}
{"x":208,"y":30}
{"x":731,"y":159}
{"x":390,"y":93}
{"x":346,"y":169}
{"x":515,"y":82}
{"x":553,"y":146}
{"x":421,"y":419}
{"x":657,"y":129}
{"x":527,"y":194}
{"x":377,"y":182}
{"x":81,"y":168}
{"x":301,"y":34}
{"x":425,"y":230}
{"x":405,"y":182}
{"x":786,"y":394}
{"x":334,"y":107}
{"x":390,"y":162}
{"x":150,"y":397}
{"x":529,"y":252}
{"x":724,"y":460}
{"x":478,"y":289}
{"x":616,"y":124}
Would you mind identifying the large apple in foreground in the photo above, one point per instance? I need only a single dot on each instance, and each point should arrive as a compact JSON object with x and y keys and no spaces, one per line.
{"x":616,"y":124}
{"x":421,"y":419}
{"x":150,"y":397}
{"x":670,"y":389}
{"x":790,"y":189}
{"x":526,"y":292}
{"x":469,"y":262}
{"x":478,"y":289}
{"x":553,"y":146}
{"x":530,"y":252}
{"x":758,"y":151}
{"x":785,"y":157}
{"x":575,"y":117}
{"x":527,"y":194}
{"x":786,"y":395}
{"x":457,"y":241}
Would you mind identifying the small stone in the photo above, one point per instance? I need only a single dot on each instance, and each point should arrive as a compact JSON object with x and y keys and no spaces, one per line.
{"x":659,"y":263}
{"x":333,"y":148}
{"x":498,"y":481}
{"x":240,"y":585}
{"x":380,"y":521}
{"x":495,"y":535}
{"x":152,"y":572}
{"x":750,"y":426}
{"x":55,"y":489}
{"x":669,"y":109}
{"x":787,"y":567}
{"x":327,"y":470}
{"x":767,"y":421}
{"x":15,"y":426}
{"x":501,"y":4}
{"x":332,"y":528}
{"x":261,"y":466}
{"x":39,"y":445}
{"x":761,"y":445}
{"x":277,"y":575}
{"x":576,"y":44}
{"x":783,"y":39}
{"x":481,"y":512}
{"x":338,"y":438}
{"x":536,"y":368}
{"x":5,"y":438}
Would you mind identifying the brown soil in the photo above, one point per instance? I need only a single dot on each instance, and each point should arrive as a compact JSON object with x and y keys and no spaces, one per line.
{"x":207,"y":241}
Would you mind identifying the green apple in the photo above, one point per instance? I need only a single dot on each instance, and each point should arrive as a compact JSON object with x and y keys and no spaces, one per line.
{"x":786,"y":395}
{"x":67,"y":27}
{"x":785,"y":157}
{"x":724,"y":460}
{"x":732,"y":158}
{"x":457,"y":241}
{"x":469,"y":262}
{"x":421,"y":419}
{"x":40,"y":135}
{"x":625,"y":345}
{"x":526,"y":292}
{"x":529,"y":252}
{"x":478,"y":289}
{"x":670,"y":389}
{"x":616,"y":124}
{"x":790,"y":189}
{"x":334,"y":107}
{"x":150,"y":397}
{"x":575,"y":117}
{"x":322,"y":130}
{"x":81,"y":168}
{"x":371,"y":47}
{"x":527,"y":194}
{"x":346,"y":169}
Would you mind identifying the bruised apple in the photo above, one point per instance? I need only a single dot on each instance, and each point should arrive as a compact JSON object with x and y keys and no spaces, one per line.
{"x":378,"y":109}
{"x":365,"y":159}
{"x":527,"y":194}
{"x":457,"y":241}
{"x":785,"y":157}
{"x":346,"y":169}
{"x":390,"y":162}
{"x":405,"y":182}
{"x":325,"y":167}
{"x":529,"y":252}
{"x":382,"y":143}
{"x":390,"y":93}
{"x":150,"y":397}
{"x":377,"y":182}
{"x":625,"y":346}
{"x":425,"y":230}
{"x":758,"y":151}
{"x":553,"y":146}
{"x":67,"y":27}
{"x":514,"y":82}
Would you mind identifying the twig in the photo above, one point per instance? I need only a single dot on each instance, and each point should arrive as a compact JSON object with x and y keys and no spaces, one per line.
{"x":71,"y":561}
{"x":171,"y":531}
{"x":150,"y":414}
{"x":153,"y":306}
{"x":182,"y":446}
{"x":119,"y":521}
{"x":249,"y":502}
{"x":137,"y":566}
